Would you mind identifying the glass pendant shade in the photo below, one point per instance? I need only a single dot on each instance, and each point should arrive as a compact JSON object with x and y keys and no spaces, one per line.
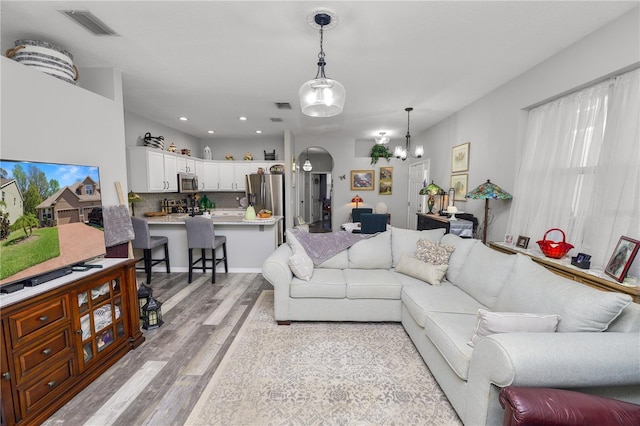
{"x":322,"y":97}
{"x":400,"y":152}
{"x":419,"y":151}
{"x":382,"y":139}
{"x":307,"y":167}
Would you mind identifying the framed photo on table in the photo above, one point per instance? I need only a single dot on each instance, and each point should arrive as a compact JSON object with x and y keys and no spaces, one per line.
{"x":622,"y":257}
{"x":362,"y":180}
{"x":460,"y":158}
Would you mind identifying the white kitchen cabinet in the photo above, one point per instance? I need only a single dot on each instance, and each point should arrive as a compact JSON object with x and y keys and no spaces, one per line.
{"x":152,"y":170}
{"x":227,"y":176}
{"x":208,"y":176}
{"x":239,"y":172}
{"x":232,"y":175}
{"x":186,"y":164}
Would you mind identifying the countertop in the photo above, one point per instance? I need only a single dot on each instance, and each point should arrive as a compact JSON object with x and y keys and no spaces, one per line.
{"x":219,"y":217}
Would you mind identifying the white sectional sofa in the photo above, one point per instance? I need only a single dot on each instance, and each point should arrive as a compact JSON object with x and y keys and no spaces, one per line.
{"x":595,"y":348}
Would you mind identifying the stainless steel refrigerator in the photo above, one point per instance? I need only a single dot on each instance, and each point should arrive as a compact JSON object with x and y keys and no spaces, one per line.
{"x":266,"y":191}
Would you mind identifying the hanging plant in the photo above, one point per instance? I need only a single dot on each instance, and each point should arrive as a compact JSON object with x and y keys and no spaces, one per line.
{"x":379,"y":151}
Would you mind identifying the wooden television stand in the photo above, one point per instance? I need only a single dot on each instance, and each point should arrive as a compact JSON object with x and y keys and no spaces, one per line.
{"x":58,"y":337}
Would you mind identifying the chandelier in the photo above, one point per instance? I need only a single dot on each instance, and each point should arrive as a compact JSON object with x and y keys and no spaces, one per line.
{"x":322,"y":96}
{"x":402,"y":153}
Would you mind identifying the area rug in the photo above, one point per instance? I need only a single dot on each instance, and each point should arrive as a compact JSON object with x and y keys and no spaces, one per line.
{"x":321,"y":374}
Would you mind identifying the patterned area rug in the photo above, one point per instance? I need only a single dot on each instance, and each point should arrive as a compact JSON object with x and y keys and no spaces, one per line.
{"x":321,"y":374}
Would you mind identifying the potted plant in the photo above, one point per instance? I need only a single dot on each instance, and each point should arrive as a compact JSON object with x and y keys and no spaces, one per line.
{"x":379,"y":151}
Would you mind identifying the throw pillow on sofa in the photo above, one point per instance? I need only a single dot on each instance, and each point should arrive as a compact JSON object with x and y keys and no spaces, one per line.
{"x":433,"y":252}
{"x":301,"y":265}
{"x":512,"y":322}
{"x":406,"y":241}
{"x":427,"y":272}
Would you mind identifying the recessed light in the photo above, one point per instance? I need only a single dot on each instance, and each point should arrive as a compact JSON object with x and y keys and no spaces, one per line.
{"x":258,"y":131}
{"x":183,"y":118}
{"x":210,"y":131}
{"x":242,"y":118}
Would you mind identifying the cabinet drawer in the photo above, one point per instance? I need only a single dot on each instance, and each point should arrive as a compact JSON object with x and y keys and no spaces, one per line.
{"x":34,"y":358}
{"x":52,"y":383}
{"x":46,"y":315}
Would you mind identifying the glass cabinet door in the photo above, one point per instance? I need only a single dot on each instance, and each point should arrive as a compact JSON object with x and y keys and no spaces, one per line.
{"x":101,"y":318}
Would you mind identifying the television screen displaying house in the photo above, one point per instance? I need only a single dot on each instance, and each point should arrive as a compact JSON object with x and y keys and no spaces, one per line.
{"x":50,"y":217}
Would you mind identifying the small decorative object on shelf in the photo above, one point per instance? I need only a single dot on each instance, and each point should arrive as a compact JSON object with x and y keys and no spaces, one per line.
{"x":207,"y":153}
{"x":276,"y":169}
{"x":144,"y":293}
{"x":270,"y":156}
{"x":153,"y":141}
{"x":185,"y":151}
{"x":582,"y":261}
{"x":152,"y":314}
{"x":248,"y":156}
{"x":228,"y":157}
{"x":45,"y":57}
{"x":172,"y":147}
{"x":553,"y":249}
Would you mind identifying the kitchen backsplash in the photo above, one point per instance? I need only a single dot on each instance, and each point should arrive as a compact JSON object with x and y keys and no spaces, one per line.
{"x":151,"y":201}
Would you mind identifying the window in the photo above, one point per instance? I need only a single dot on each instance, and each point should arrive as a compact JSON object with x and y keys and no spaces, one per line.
{"x":88,"y":189}
{"x":580,"y":168}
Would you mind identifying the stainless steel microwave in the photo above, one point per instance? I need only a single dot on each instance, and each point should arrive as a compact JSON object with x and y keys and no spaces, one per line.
{"x":187,"y":183}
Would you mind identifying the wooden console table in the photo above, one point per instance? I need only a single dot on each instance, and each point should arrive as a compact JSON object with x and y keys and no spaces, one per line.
{"x":58,"y":337}
{"x":591,"y":277}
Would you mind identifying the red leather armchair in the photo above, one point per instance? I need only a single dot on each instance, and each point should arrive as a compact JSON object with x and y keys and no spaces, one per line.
{"x":559,"y":407}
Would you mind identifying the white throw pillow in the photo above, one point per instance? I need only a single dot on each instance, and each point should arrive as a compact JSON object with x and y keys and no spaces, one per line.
{"x":301,"y":265}
{"x":427,"y":272}
{"x":512,"y":322}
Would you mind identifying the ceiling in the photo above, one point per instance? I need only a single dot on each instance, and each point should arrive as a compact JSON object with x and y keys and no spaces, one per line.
{"x":213,"y":61}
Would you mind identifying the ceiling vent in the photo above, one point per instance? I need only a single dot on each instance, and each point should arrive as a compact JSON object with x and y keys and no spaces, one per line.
{"x":276,"y":120}
{"x":283,"y":105}
{"x":90,"y":22}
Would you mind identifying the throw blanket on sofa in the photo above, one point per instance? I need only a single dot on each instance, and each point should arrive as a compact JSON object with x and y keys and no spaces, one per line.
{"x":321,"y":247}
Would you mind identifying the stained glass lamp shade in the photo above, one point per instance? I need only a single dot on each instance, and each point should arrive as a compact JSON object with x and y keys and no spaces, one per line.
{"x":485,"y":192}
{"x":431,"y":190}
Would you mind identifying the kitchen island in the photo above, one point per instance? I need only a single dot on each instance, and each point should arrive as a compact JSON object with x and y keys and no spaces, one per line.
{"x":249,"y":242}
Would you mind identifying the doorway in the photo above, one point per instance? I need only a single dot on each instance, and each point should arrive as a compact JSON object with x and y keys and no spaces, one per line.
{"x":315,"y":189}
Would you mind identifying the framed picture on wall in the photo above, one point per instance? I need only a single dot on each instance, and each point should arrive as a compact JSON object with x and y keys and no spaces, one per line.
{"x":362,"y":180}
{"x":460,"y":158}
{"x":385,"y":184}
{"x":621,"y":258}
{"x":459,"y":184}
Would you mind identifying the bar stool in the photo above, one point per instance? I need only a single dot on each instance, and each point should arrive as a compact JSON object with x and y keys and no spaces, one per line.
{"x":201,"y":235}
{"x":144,"y":241}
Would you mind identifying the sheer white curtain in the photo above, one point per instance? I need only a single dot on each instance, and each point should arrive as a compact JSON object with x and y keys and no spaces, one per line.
{"x":580,"y":169}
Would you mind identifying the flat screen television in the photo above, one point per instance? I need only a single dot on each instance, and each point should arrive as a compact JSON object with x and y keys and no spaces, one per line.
{"x":50,"y":220}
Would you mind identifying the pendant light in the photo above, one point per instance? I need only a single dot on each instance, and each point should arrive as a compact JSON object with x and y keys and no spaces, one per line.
{"x":402,"y":153}
{"x":307,"y":167}
{"x":322,"y":96}
{"x":382,"y":139}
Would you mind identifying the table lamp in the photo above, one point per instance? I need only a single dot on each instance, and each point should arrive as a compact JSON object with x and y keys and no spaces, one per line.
{"x":431,"y":190}
{"x":485,"y":192}
{"x":357,"y":199}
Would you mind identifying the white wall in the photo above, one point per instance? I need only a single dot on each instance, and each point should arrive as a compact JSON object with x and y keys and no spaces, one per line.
{"x":494,"y":123}
{"x":46,"y":119}
{"x":136,"y":126}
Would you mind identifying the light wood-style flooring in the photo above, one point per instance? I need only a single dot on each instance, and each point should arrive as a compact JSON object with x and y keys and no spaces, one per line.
{"x":159,"y":382}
